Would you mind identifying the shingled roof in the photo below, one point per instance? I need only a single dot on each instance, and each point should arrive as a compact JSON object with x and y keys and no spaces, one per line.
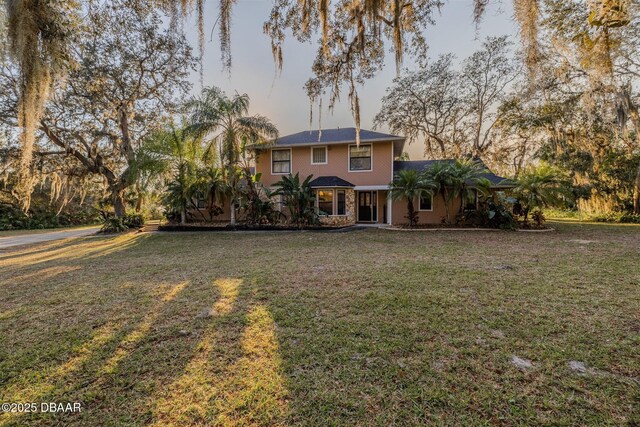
{"x":329,"y":181}
{"x":335,"y":136}
{"x":421,"y":165}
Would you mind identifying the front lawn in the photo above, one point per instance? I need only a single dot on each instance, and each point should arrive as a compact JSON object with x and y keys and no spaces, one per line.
{"x":370,"y":327}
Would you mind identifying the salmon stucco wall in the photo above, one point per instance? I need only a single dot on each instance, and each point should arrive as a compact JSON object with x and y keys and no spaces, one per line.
{"x":337,"y":164}
{"x":435,"y":216}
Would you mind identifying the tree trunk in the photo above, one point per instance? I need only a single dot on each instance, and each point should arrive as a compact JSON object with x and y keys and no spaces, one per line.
{"x":446,"y":203}
{"x":233,"y":213}
{"x":410,"y":211}
{"x":636,"y":193}
{"x":118,"y":203}
{"x":139,"y":202}
{"x":183,"y":217}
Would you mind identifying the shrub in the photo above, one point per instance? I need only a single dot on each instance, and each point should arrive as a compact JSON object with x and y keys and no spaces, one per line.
{"x":134,"y":220}
{"x":113,"y":225}
{"x":630,"y":218}
{"x":620,"y":217}
{"x":538,"y":217}
{"x":12,"y":218}
{"x":494,"y":214}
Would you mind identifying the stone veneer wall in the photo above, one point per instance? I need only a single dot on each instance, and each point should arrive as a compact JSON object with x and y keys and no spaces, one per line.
{"x":350,"y":207}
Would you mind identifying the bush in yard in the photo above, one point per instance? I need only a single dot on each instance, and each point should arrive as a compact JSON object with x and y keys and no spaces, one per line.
{"x":111,"y":224}
{"x":298,"y":198}
{"x":620,"y":217}
{"x":538,"y":217}
{"x":13,"y":218}
{"x":538,"y":187}
{"x":134,"y":220}
{"x":494,"y":213}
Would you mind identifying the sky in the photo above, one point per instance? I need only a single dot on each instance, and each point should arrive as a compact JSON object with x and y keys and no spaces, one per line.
{"x":281,"y":96}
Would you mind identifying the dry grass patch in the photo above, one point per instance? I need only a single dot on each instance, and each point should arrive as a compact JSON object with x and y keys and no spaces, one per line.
{"x":304,"y":328}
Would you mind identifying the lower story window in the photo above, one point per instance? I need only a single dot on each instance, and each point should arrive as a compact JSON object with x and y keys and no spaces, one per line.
{"x":341,"y":205}
{"x":471,"y":204}
{"x":201,"y":201}
{"x":426,"y":202}
{"x":325,"y":202}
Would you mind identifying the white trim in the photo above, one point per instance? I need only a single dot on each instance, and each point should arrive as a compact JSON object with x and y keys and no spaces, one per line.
{"x":370,"y":187}
{"x":349,"y":158}
{"x":426,"y":210}
{"x":326,"y":154}
{"x":290,"y":161}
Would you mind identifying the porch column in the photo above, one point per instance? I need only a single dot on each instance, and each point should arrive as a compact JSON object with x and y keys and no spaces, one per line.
{"x":389,"y":207}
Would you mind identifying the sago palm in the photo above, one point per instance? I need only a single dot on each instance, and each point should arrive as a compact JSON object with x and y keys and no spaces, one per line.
{"x":467,"y":177}
{"x":442,"y":175}
{"x":411,"y":185}
{"x":537,"y":187}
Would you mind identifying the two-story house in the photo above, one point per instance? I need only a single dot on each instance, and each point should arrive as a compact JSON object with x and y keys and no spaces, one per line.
{"x":350,"y":181}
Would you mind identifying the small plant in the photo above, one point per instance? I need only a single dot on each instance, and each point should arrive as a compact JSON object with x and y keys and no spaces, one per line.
{"x":538,"y":217}
{"x":495,"y":213}
{"x":134,"y":220}
{"x":113,"y":225}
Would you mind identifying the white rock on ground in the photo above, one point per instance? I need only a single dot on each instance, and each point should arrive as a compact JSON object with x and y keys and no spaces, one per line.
{"x":521,"y":363}
{"x":577,"y":366}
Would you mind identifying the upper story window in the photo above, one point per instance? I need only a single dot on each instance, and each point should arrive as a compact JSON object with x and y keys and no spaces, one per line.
{"x":281,"y":161}
{"x":318,"y":155}
{"x":426,"y":202}
{"x":360,"y":157}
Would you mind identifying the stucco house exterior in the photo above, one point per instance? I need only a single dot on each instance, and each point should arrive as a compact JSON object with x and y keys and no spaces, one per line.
{"x":351,"y":182}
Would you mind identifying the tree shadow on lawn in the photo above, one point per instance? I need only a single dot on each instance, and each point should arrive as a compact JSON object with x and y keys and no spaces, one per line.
{"x":197,"y":351}
{"x":153,"y":336}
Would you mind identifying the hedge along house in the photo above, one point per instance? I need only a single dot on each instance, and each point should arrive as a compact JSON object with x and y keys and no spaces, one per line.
{"x":350,"y":181}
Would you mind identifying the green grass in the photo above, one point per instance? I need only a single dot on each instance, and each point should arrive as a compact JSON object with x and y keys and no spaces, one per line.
{"x":370,"y":327}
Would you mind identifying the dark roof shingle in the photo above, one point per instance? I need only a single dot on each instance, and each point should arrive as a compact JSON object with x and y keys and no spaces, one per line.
{"x":335,"y":136}
{"x":421,"y":165}
{"x":329,"y":181}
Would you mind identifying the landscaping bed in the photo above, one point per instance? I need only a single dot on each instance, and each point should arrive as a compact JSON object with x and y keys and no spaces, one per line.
{"x":244,"y":227}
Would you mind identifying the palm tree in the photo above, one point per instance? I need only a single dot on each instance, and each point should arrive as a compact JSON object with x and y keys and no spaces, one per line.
{"x":411,"y":185}
{"x":441,"y":174}
{"x":177,"y":153}
{"x":538,"y":186}
{"x":467,"y":177}
{"x":299,"y":199}
{"x":226,"y":124}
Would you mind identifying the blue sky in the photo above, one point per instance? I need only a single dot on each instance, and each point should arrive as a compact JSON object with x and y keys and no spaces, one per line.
{"x":281,"y":97}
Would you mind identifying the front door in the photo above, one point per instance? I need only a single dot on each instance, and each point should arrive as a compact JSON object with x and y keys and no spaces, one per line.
{"x":367,"y":203}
